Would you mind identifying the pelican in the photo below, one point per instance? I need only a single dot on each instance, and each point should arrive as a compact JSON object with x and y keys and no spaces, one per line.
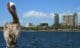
{"x":12,"y":29}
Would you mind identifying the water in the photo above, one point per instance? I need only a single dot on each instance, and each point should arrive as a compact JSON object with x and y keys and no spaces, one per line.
{"x":46,"y":40}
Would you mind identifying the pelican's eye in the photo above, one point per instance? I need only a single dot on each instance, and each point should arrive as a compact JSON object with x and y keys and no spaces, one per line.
{"x":13,"y":7}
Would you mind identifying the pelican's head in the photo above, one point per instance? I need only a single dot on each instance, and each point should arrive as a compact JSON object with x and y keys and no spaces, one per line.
{"x":11,"y":7}
{"x":11,"y":4}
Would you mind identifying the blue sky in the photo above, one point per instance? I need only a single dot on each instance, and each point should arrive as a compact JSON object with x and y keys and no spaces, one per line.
{"x":38,"y":11}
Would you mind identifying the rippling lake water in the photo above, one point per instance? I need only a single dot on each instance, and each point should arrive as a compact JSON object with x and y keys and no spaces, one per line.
{"x":46,"y":40}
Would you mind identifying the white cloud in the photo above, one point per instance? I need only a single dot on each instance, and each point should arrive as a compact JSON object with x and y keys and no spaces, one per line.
{"x":52,"y":14}
{"x":44,"y":15}
{"x":34,"y":13}
{"x":78,"y":13}
{"x":2,"y":23}
{"x":78,"y":17}
{"x":78,"y":8}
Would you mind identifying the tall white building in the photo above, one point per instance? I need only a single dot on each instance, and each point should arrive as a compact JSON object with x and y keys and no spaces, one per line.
{"x":70,"y":19}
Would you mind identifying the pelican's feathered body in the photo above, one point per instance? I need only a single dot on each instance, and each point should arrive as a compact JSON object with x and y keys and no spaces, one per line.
{"x":12,"y":30}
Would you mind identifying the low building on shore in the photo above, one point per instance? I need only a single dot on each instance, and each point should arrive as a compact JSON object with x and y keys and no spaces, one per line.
{"x":44,"y":25}
{"x":29,"y":25}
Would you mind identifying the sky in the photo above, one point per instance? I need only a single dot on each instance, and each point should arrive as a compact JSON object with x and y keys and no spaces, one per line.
{"x":38,"y":11}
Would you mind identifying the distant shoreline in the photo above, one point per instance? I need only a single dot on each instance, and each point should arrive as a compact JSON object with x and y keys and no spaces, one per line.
{"x":48,"y":30}
{"x":1,"y":30}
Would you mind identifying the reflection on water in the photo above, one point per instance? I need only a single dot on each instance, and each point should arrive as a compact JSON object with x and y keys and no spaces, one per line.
{"x":46,"y":40}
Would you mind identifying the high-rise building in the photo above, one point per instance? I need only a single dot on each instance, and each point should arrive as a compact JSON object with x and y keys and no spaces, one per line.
{"x":56,"y":18}
{"x":70,"y":19}
{"x":56,"y":21}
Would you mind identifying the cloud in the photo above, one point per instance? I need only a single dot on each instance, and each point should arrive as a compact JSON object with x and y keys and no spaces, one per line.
{"x":78,"y":13}
{"x":78,"y":17}
{"x":2,"y":22}
{"x":34,"y":14}
{"x":51,"y":14}
{"x":78,"y":8}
